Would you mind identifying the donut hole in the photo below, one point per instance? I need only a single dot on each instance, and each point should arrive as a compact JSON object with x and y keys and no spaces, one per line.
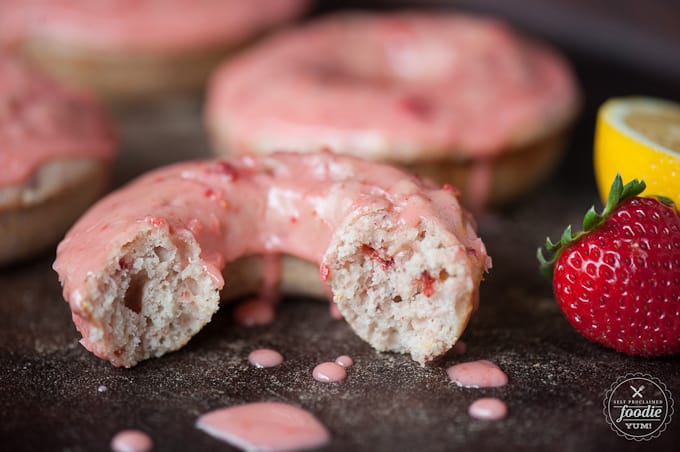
{"x":420,"y":303}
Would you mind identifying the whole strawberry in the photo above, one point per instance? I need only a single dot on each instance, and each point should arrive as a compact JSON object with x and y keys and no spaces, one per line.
{"x":618,"y":281}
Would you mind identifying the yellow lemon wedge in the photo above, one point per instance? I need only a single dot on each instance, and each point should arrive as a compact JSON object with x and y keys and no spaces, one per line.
{"x":639,"y":137}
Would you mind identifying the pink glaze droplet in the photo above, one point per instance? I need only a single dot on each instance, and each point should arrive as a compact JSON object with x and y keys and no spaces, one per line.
{"x":344,"y":361}
{"x":477,"y":374}
{"x":460,"y":348}
{"x":254,"y":312}
{"x":268,"y":426}
{"x":131,"y":441}
{"x":488,"y":408}
{"x":335,"y":312}
{"x":265,"y":358}
{"x":329,"y":372}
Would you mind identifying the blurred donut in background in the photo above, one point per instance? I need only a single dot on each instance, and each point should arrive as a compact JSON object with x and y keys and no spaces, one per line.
{"x":125,"y":49}
{"x":56,"y":148}
{"x":459,"y":98}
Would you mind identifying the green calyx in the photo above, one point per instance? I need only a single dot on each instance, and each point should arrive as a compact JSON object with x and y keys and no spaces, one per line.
{"x":592,"y":220}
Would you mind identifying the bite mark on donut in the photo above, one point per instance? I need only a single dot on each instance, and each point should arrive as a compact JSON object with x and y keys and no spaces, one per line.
{"x":372,"y":253}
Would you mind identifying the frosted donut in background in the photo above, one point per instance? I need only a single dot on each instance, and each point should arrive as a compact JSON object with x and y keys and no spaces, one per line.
{"x":458,"y":98}
{"x":130,"y":48}
{"x":142,"y":270}
{"x":56,"y":147}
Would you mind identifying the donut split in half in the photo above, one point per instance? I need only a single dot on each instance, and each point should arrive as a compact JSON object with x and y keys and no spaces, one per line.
{"x":143,"y":269}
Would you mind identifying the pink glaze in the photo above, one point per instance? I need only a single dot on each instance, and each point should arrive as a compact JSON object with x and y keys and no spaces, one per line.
{"x":255,"y":312}
{"x":329,"y":372}
{"x":42,"y":121}
{"x":488,"y":408}
{"x":344,"y":361}
{"x":407,"y":86}
{"x":263,"y":426}
{"x":142,"y":25}
{"x":131,"y":441}
{"x":262,"y":309}
{"x":243,"y":207}
{"x":477,"y":374}
{"x":265,"y":358}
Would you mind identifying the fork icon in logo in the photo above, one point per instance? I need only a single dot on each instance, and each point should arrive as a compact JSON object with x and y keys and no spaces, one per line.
{"x":637,"y":392}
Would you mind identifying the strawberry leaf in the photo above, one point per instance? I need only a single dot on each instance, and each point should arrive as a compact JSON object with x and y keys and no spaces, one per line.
{"x":591,"y":221}
{"x":666,"y":200}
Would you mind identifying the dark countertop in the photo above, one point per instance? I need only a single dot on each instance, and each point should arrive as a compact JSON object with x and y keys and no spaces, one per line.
{"x":49,"y":397}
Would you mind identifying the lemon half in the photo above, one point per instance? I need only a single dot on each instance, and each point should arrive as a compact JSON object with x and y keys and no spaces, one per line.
{"x":639,"y":137}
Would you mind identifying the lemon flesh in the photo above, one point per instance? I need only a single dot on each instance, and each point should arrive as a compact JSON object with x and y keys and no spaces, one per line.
{"x":639,"y":137}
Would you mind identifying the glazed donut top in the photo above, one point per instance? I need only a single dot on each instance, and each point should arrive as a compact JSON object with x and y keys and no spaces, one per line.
{"x":142,"y":25}
{"x":401,"y":86}
{"x":41,"y":121}
{"x":287,"y":203}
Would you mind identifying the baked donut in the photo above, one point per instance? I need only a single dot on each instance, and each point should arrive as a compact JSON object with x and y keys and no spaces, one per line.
{"x":142,"y":269}
{"x":129,"y":48}
{"x":55,"y":152}
{"x":457,"y":98}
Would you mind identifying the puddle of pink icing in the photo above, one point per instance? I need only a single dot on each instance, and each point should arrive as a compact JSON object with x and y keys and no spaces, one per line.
{"x":131,"y":441}
{"x":488,"y":408}
{"x":254,"y":312}
{"x":265,"y":358}
{"x":329,"y":372}
{"x":344,"y":361}
{"x":477,"y":374}
{"x":268,"y":426}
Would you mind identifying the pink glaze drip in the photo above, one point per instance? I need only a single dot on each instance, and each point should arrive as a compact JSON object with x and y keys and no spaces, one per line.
{"x":131,"y":441}
{"x":477,"y":374}
{"x":271,"y":277}
{"x":243,"y":207}
{"x":267,"y":426}
{"x":261,"y":310}
{"x":329,"y":372}
{"x":406,"y":87}
{"x":146,"y":25}
{"x":255,"y":312}
{"x":488,"y":408}
{"x":41,"y":121}
{"x":344,"y":361}
{"x":265,"y":358}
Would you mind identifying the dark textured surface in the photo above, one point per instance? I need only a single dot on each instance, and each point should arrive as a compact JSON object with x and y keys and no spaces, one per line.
{"x":49,"y":397}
